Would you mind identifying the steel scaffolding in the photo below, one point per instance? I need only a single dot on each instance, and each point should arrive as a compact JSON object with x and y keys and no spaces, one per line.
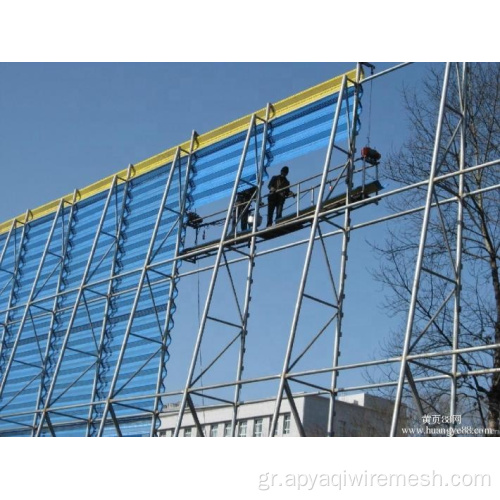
{"x":339,"y":190}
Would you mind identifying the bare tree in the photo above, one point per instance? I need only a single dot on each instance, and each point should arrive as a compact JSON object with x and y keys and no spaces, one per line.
{"x":478,"y":396}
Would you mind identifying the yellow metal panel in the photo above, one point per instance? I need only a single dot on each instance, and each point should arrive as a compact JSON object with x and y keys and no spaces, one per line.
{"x":280,"y":108}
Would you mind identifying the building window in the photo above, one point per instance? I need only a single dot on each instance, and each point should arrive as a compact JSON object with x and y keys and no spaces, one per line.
{"x":228,"y":429}
{"x":242,"y":429}
{"x":213,"y":430}
{"x":188,"y":431}
{"x":286,"y":424}
{"x":257,"y":427}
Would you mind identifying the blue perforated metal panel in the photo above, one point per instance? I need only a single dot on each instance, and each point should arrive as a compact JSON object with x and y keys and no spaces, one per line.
{"x":91,"y":318}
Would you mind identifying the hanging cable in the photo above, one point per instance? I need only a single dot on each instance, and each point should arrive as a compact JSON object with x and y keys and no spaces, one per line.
{"x":200,"y":356}
{"x":369,"y":131}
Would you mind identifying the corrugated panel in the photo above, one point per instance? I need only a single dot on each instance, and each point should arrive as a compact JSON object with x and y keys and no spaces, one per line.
{"x":284,"y":107}
{"x":290,"y":136}
{"x":29,"y":355}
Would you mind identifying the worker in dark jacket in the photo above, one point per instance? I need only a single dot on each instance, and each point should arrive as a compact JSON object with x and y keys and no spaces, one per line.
{"x":242,"y":207}
{"x":278,"y":192}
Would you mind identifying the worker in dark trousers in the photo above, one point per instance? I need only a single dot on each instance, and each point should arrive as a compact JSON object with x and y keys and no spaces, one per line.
{"x":278,"y":192}
{"x":242,"y":207}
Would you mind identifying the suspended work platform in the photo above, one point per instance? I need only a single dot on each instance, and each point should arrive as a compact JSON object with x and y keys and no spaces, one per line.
{"x":300,"y":219}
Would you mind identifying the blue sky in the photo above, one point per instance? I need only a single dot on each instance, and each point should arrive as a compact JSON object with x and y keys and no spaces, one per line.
{"x":64,"y":126}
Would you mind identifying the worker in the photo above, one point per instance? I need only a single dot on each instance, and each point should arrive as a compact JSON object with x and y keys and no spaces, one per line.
{"x":278,"y":191}
{"x":242,"y":206}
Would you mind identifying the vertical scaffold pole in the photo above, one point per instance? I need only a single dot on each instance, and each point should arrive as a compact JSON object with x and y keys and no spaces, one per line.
{"x":15,"y":275}
{"x":186,"y":398}
{"x":91,"y":427}
{"x":31,"y":295}
{"x":346,"y":235}
{"x":13,"y":280}
{"x":463,"y":94}
{"x":420,"y":257}
{"x":74,"y":311}
{"x":137,"y":297}
{"x":51,"y":333}
{"x":7,"y":241}
{"x":249,"y":279}
{"x":283,"y":379}
{"x":183,"y":193}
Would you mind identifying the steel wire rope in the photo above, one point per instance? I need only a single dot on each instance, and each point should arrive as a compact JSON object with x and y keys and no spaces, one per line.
{"x":369,"y":130}
{"x":200,"y":356}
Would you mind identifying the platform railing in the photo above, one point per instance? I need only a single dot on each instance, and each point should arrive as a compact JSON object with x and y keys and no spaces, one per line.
{"x":305,"y":192}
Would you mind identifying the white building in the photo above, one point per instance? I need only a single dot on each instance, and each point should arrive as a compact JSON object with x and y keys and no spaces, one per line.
{"x":356,"y":415}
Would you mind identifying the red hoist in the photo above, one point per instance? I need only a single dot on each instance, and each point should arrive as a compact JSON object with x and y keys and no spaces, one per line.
{"x":371,"y":156}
